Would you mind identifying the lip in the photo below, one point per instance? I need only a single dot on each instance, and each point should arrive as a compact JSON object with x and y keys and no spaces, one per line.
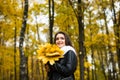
{"x":60,"y":44}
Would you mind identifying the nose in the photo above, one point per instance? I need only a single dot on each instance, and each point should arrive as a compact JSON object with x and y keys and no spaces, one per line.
{"x":59,"y":39}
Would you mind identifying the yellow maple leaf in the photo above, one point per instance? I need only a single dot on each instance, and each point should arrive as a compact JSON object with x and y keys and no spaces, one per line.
{"x":49,"y":53}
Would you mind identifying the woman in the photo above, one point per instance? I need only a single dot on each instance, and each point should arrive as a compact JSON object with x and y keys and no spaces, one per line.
{"x":64,"y":68}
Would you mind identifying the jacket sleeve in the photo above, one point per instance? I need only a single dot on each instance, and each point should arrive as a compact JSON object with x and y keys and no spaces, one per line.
{"x":70,"y":64}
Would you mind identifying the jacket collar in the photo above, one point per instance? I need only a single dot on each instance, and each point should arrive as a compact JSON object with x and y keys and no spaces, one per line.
{"x":67,"y":48}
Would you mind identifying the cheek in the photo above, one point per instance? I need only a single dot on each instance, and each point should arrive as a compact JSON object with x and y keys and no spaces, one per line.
{"x":55,"y":42}
{"x":63,"y":41}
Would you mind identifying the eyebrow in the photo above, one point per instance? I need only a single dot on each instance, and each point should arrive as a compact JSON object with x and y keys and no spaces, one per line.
{"x":60,"y":37}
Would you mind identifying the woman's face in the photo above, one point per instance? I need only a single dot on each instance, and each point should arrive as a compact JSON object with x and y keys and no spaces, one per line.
{"x":60,"y":40}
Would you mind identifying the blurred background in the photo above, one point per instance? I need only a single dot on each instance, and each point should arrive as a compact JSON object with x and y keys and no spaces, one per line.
{"x":93,"y":26}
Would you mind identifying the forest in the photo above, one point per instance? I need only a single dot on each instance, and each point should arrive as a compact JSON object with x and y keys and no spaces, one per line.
{"x":93,"y":27}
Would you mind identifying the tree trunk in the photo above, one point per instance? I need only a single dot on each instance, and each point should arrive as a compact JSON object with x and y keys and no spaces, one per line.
{"x":101,"y":59}
{"x":93,"y":63}
{"x":15,"y":51}
{"x":23,"y":59}
{"x":38,"y":35}
{"x":117,"y":32}
{"x":51,"y":19}
{"x":81,"y":40}
{"x":109,"y":46}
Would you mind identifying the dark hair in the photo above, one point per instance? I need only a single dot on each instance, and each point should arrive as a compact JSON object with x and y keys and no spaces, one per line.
{"x":67,"y":39}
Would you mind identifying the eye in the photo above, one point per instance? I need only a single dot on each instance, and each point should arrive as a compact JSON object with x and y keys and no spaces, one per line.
{"x":57,"y":38}
{"x":62,"y":38}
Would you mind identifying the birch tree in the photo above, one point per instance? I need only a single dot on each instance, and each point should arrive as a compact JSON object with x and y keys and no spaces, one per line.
{"x":23,"y":58}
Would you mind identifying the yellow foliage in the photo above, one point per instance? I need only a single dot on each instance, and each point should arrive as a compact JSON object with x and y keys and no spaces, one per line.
{"x":87,"y":64}
{"x":49,"y":53}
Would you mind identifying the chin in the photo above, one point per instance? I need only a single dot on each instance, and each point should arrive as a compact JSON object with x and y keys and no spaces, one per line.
{"x":60,"y":46}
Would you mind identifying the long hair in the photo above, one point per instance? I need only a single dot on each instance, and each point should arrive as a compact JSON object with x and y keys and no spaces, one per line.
{"x":67,"y":38}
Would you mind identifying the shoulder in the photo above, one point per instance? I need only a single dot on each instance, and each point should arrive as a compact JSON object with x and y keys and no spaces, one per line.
{"x":70,"y":53}
{"x":70,"y":57}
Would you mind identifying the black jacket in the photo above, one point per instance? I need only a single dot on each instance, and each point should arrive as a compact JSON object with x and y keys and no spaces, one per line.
{"x":65,"y":67}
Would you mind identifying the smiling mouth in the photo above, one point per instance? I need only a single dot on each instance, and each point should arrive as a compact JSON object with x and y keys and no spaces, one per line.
{"x":60,"y":43}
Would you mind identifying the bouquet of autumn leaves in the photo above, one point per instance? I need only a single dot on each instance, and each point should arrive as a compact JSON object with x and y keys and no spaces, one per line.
{"x":49,"y":53}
